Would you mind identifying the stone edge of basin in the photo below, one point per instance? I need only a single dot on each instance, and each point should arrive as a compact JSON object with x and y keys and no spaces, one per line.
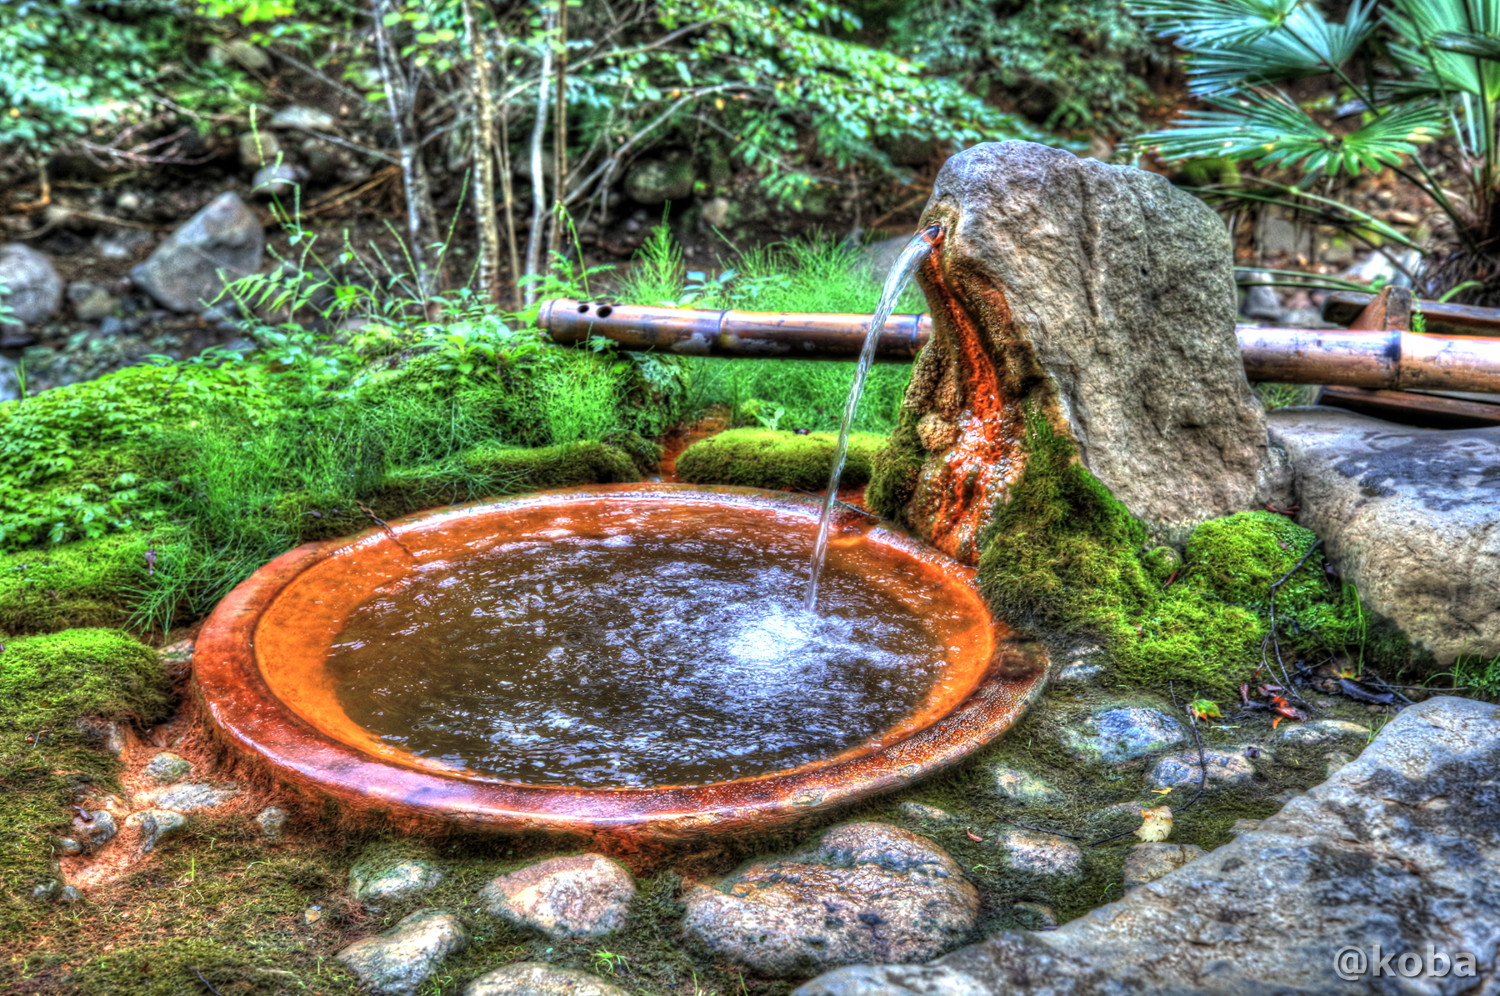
{"x":262,"y":730}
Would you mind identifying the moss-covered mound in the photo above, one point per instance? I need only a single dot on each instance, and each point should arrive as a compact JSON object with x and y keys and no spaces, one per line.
{"x":1063,"y":556}
{"x":47,"y":683}
{"x":766,"y":458}
{"x":89,"y":583}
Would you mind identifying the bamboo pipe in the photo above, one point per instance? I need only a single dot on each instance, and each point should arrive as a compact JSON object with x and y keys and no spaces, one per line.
{"x":1372,"y":359}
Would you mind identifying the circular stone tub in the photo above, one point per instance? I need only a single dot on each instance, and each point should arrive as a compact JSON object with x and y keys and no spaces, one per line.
{"x":266,"y":667}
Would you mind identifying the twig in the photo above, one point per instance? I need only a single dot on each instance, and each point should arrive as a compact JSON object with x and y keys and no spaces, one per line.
{"x":1275,"y":639}
{"x":208,"y":984}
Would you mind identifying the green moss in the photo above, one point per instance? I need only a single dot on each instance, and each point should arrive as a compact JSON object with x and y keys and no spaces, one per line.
{"x":503,"y":470}
{"x":46,"y":684}
{"x":89,"y":583}
{"x":767,"y":458}
{"x":893,"y":478}
{"x":1062,"y":554}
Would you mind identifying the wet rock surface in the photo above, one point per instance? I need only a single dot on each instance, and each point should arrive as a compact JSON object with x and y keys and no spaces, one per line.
{"x":584,"y":896}
{"x":534,"y":978}
{"x":222,"y":242}
{"x":1410,"y":516}
{"x":401,"y":959}
{"x":867,"y":891}
{"x":1400,"y":850}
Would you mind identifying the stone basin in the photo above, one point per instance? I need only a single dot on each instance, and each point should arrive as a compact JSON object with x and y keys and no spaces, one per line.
{"x":302,"y":671}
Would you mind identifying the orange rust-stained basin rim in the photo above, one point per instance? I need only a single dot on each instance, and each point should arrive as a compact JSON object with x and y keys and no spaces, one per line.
{"x":257,"y":667}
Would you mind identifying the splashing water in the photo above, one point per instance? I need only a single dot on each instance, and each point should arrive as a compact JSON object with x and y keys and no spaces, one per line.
{"x":896,"y":281}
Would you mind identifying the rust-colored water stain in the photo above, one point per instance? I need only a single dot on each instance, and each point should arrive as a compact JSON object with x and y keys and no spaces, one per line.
{"x":260,"y":668}
{"x":974,"y":471}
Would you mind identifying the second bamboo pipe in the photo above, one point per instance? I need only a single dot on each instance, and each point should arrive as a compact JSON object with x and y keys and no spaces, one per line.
{"x":1393,"y":360}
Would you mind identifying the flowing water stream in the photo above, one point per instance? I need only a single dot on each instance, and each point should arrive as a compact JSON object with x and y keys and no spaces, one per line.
{"x":896,"y":281}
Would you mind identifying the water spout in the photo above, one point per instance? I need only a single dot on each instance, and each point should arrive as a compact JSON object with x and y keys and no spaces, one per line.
{"x":896,"y":281}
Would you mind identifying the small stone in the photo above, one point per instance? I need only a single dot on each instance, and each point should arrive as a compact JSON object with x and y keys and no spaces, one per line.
{"x":69,"y":894}
{"x":378,"y":878}
{"x":537,"y":978}
{"x":1184,"y":771}
{"x":91,"y":303}
{"x":128,"y":202}
{"x":177,"y":655}
{"x":272,"y":822}
{"x":67,"y":846}
{"x":275,"y":180}
{"x":33,"y":290}
{"x":304,"y":118}
{"x":1078,"y":672}
{"x":1148,"y":862}
{"x":578,"y":897}
{"x":312,"y":915}
{"x":401,"y":959}
{"x":1020,"y":786}
{"x":239,"y":52}
{"x":867,"y":892}
{"x":104,"y":732}
{"x":1262,"y":303}
{"x":190,"y":796}
{"x":924,"y":812}
{"x":45,"y":892}
{"x":258,"y":148}
{"x":1321,"y":731}
{"x":1117,"y":735}
{"x":1335,"y":761}
{"x":1037,"y":916}
{"x":154,"y":826}
{"x":1041,"y":854}
{"x":95,"y":831}
{"x":166,"y":768}
{"x":715,"y":211}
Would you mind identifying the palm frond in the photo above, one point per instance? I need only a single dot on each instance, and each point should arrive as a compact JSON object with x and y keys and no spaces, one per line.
{"x":1448,"y":46}
{"x":1237,"y":44}
{"x":1270,"y":130}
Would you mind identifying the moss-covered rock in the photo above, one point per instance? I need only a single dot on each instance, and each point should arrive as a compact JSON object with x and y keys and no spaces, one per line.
{"x":89,"y":583}
{"x":47,"y":684}
{"x":766,"y":458}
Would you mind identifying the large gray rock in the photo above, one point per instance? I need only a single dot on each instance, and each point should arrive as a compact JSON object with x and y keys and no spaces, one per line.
{"x":407,"y":955}
{"x":578,"y":897}
{"x":868,"y":891}
{"x":536,"y":978}
{"x":1410,"y":516}
{"x":30,"y":288}
{"x":1101,"y":297}
{"x":1399,"y":851}
{"x":221,"y":243}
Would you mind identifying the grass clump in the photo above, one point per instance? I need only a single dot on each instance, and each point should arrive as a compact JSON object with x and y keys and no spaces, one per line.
{"x":763,"y":458}
{"x":1063,"y":556}
{"x":48,"y":683}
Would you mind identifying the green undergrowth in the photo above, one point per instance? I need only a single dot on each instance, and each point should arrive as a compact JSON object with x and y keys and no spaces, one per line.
{"x":763,"y":458}
{"x":1064,"y":557}
{"x":47,"y":683}
{"x":140,"y":498}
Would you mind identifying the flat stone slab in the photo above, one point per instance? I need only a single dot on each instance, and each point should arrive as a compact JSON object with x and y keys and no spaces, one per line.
{"x":1398,"y":853}
{"x":1410,"y":516}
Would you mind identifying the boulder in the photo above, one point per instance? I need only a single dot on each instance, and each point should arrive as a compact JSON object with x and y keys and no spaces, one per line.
{"x":653,"y":181}
{"x":303,"y":118}
{"x":1098,"y":298}
{"x":30,"y":290}
{"x":1410,"y":517}
{"x":401,"y":959}
{"x":1397,"y":854}
{"x":219,"y":244}
{"x":867,"y":891}
{"x":536,"y":978}
{"x":275,"y":180}
{"x":580,"y":897}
